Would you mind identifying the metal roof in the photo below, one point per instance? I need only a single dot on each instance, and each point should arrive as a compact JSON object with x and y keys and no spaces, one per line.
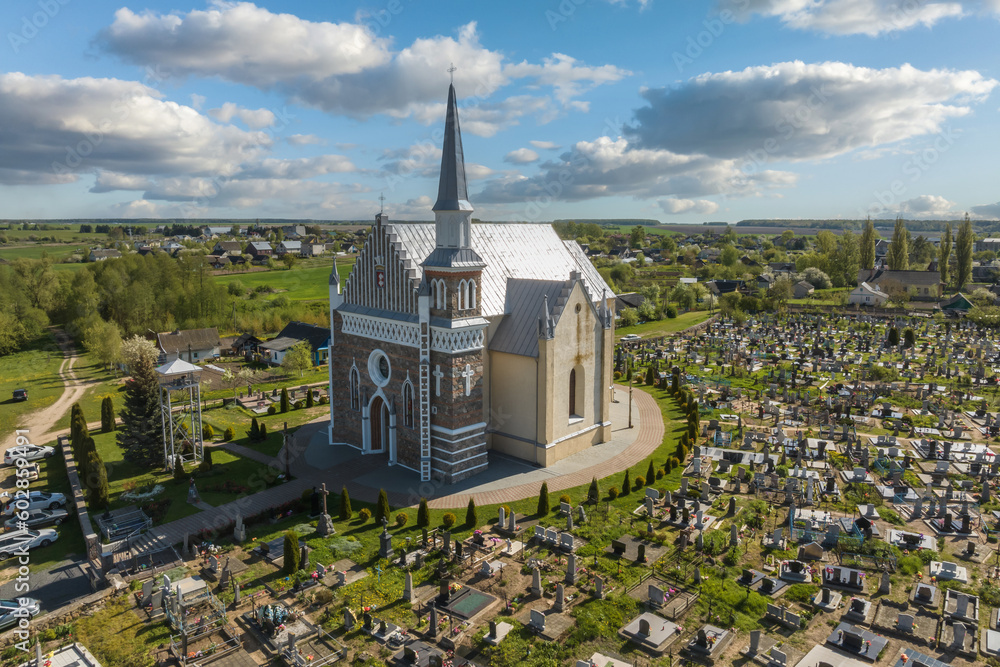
{"x":510,"y":250}
{"x":453,"y":194}
{"x":518,"y":332}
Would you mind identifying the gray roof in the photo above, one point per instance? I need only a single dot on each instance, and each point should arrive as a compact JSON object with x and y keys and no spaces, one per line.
{"x":453,"y":195}
{"x":518,"y":332}
{"x":510,"y":250}
{"x":280,"y":343}
{"x":198,"y":339}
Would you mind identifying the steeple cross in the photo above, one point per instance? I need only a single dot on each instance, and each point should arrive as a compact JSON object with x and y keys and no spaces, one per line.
{"x":381,"y":203}
{"x":451,"y":71}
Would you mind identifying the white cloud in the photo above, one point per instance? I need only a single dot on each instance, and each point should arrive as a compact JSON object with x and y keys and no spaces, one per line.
{"x":306,"y":140}
{"x":929,"y":206}
{"x":306,"y":167}
{"x":341,"y":68}
{"x":197,"y":101}
{"x":548,"y":145}
{"x":70,"y":126}
{"x":857,"y":17}
{"x":241,"y":42}
{"x":801,"y":111}
{"x":611,"y":167}
{"x":521,"y":156}
{"x":477,"y":172}
{"x":109,"y":181}
{"x":675,"y":206}
{"x":255,"y":119}
{"x":989,"y":211}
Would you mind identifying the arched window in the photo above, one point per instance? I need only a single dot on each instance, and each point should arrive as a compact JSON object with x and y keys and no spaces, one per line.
{"x":572,"y":393}
{"x":465,"y":294}
{"x":440,"y":294}
{"x":471,"y":299}
{"x":408,"y":404}
{"x":355,"y":385}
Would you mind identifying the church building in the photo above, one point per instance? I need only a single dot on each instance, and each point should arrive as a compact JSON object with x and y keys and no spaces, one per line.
{"x":453,"y":339}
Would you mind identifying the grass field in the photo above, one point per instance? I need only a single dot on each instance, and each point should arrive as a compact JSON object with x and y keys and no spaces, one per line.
{"x":35,"y":369}
{"x":665,"y":326}
{"x":101,"y":383}
{"x":37,"y":251}
{"x":305,"y":282}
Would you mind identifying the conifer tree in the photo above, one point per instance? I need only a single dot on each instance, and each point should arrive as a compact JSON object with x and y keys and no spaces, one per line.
{"x":292,"y":553}
{"x":141,"y":434}
{"x":471,"y":516}
{"x":543,"y":500}
{"x":627,"y":483}
{"x":345,"y":505}
{"x":594,"y":492}
{"x":96,"y":479}
{"x":650,"y":473}
{"x":254,"y":432}
{"x":382,"y":509}
{"x":107,"y":415}
{"x":423,"y":514}
{"x":284,"y":400}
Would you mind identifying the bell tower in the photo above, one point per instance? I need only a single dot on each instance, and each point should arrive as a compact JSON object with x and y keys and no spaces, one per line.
{"x":452,"y":289}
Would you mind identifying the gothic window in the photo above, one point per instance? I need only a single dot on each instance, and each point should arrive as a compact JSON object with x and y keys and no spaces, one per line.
{"x":470,"y":301}
{"x":355,"y":385}
{"x":440,"y":293}
{"x":572,"y":392}
{"x":408,"y":403}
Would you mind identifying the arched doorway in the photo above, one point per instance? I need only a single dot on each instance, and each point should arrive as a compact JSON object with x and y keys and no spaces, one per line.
{"x":379,"y":423}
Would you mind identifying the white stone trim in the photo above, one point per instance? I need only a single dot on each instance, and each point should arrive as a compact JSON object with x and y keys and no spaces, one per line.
{"x":440,"y":449}
{"x":454,"y":341}
{"x":451,"y":463}
{"x":381,"y":329}
{"x":572,"y":435}
{"x":468,"y":437}
{"x":458,"y":431}
{"x":481,"y":465}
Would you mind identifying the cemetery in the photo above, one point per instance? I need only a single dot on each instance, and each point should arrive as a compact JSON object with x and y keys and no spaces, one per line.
{"x":821,"y":496}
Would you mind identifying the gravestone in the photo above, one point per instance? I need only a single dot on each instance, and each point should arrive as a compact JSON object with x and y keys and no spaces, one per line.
{"x":599,"y":587}
{"x":560,"y":604}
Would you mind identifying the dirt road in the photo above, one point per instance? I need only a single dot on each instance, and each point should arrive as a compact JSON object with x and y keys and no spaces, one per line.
{"x":42,"y":423}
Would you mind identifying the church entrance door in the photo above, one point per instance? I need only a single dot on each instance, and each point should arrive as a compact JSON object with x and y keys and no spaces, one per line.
{"x":379,"y":419}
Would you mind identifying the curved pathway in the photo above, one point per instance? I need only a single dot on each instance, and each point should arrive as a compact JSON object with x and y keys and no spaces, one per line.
{"x":353,"y":468}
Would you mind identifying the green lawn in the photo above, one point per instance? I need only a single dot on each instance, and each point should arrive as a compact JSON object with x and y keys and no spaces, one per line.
{"x":239,"y":419}
{"x":35,"y":369}
{"x":120,"y":472}
{"x":666,"y":325}
{"x":307,"y":281}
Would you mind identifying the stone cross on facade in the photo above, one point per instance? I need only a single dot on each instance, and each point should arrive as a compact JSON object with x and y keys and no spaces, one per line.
{"x":467,"y":374}
{"x":437,"y":379}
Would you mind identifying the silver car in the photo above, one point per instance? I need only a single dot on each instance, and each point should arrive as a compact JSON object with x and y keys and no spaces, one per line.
{"x":18,"y":540}
{"x":37,"y":519}
{"x":36,"y":500}
{"x":12,"y":611}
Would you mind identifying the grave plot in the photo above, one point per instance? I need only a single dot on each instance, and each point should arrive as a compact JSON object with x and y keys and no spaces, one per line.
{"x":948,"y":571}
{"x":961,"y":606}
{"x":827,"y":600}
{"x":207,"y":645}
{"x":925,"y":595}
{"x":844,"y":578}
{"x":636,"y":549}
{"x":959,"y":637}
{"x":910,"y":541}
{"x":273,"y":623}
{"x":914,"y":624}
{"x":651,"y":633}
{"x":274,"y":551}
{"x":857,"y":642}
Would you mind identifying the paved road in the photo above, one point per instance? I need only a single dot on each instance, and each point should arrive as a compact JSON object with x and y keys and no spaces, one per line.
{"x":58,"y":586}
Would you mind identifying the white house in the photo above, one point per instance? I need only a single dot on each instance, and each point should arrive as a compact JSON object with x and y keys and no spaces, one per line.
{"x":197,"y":345}
{"x":293,"y":247}
{"x":866,"y":295}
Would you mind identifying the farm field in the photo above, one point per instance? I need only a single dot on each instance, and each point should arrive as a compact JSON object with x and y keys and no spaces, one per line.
{"x":304,"y":282}
{"x":665,"y":326}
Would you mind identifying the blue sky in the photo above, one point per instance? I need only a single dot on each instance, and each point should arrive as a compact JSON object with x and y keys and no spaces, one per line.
{"x":692,"y":111}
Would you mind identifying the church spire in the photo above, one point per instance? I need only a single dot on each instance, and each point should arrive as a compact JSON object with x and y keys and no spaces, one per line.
{"x":453,"y":249}
{"x":453,"y":194}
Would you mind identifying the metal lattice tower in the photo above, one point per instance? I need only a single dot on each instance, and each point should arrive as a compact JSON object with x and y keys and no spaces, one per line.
{"x":180,"y":412}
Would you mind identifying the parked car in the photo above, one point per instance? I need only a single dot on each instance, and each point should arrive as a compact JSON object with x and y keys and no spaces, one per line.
{"x":631,"y":337}
{"x":37,"y":500}
{"x":38,"y":519}
{"x":20,"y":394}
{"x":10,"y":612}
{"x":11,"y":543}
{"x":28,"y":453}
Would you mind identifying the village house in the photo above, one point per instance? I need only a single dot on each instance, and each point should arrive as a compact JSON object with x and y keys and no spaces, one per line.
{"x":318,"y":338}
{"x":191,"y":345}
{"x":289,"y":248}
{"x":260,"y":251}
{"x":922,"y":285}
{"x":227,"y":248}
{"x":313,"y":249}
{"x":101,"y":254}
{"x":867,"y":295}
{"x":802,"y":289}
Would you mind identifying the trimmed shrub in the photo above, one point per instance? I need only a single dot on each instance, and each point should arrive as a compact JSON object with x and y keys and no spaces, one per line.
{"x":564,"y":498}
{"x":365,"y":514}
{"x":640,"y":482}
{"x":382,"y":509}
{"x":543,"y":500}
{"x":401,"y":519}
{"x":271,"y":410}
{"x":292,"y":553}
{"x":229,"y":435}
{"x":613,"y":492}
{"x":448,"y":520}
{"x":284,"y":400}
{"x":471,"y":516}
{"x":627,"y":483}
{"x":650,"y":472}
{"x":423,"y":514}
{"x":207,"y":432}
{"x":345,"y":505}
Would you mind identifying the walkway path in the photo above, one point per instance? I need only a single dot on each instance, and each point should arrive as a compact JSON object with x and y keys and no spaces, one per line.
{"x":350,"y":467}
